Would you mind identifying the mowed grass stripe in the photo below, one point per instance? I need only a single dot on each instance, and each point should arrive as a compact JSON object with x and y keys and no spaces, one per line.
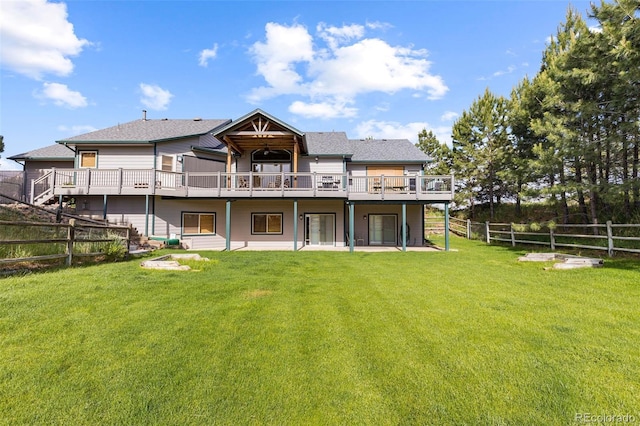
{"x":465,"y":337}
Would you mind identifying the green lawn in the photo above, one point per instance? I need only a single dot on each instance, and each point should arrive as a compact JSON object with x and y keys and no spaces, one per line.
{"x":466,"y":337}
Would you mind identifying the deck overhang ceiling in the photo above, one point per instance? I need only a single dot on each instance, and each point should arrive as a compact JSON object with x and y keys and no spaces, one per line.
{"x":259,"y":130}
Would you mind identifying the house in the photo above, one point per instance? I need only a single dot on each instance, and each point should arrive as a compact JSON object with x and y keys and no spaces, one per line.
{"x":39,"y":162}
{"x":251,"y":182}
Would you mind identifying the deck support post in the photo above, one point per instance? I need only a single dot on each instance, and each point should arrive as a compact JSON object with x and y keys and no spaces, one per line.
{"x":104,"y":207}
{"x":146,"y":215}
{"x":446,"y":226}
{"x":403,"y":228}
{"x":351,"y":225}
{"x":295,"y":224}
{"x":228,"y":226}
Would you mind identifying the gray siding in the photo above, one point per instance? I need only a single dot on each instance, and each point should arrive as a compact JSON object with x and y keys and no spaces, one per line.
{"x":125,"y":157}
{"x":194,"y":164}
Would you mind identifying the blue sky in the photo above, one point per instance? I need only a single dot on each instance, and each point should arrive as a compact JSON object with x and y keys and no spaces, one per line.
{"x":383,"y":69}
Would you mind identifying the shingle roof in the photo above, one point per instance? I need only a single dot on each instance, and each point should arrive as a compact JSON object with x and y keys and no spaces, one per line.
{"x":386,"y":150}
{"x":144,"y":131}
{"x":364,"y":150}
{"x":327,"y":143}
{"x":211,"y":145}
{"x":51,"y":152}
{"x":317,"y":143}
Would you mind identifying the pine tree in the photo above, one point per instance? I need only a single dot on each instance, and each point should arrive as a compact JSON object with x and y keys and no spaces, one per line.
{"x":480,"y":150}
{"x":439,"y":153}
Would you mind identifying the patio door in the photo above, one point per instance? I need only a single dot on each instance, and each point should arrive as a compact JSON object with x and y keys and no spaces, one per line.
{"x":320,"y":229}
{"x":382,"y":229}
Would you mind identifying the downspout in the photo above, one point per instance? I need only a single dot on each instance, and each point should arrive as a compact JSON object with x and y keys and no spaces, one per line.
{"x":155,"y":156}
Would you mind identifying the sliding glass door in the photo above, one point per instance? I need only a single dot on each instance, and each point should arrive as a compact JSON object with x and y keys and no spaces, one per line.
{"x":320,"y":229}
{"x":382,"y":229}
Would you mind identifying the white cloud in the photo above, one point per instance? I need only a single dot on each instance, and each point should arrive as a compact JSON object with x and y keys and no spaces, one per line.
{"x":595,"y":29}
{"x":61,"y":95}
{"x":335,"y":36}
{"x":449,"y":116}
{"x":389,"y":130}
{"x":383,"y":107}
{"x":377,"y":25}
{"x":395,"y":130}
{"x":37,"y":38}
{"x":509,"y":70}
{"x":76,"y":129}
{"x":155,"y":97}
{"x":349,"y":65}
{"x":324,"y":110}
{"x":207,"y":54}
{"x":276,"y":59}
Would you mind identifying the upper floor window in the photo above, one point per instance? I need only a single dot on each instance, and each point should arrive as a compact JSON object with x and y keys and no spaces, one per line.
{"x":88,"y":159}
{"x":167,"y":163}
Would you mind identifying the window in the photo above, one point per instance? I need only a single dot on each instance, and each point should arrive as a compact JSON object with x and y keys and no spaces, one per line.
{"x":266,"y":223}
{"x":167,"y":163}
{"x":198,"y":223}
{"x":88,"y":159}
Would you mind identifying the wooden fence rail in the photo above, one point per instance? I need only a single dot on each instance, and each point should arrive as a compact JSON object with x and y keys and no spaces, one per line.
{"x":603,"y":237}
{"x":70,"y":239}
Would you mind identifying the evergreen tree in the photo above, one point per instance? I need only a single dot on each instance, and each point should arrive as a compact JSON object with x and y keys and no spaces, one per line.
{"x":481,"y":149}
{"x":439,"y":153}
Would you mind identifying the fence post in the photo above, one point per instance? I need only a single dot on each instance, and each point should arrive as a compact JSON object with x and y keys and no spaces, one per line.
{"x":488,"y":232}
{"x":70,"y":238}
{"x":552,"y":239}
{"x":468,"y":229}
{"x":609,"y":238}
{"x":128,"y":242}
{"x":513,"y":236}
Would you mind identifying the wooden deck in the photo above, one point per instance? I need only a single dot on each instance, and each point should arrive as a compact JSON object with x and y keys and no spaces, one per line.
{"x":73,"y":182}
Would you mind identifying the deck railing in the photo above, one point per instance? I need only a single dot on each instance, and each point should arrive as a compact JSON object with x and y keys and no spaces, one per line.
{"x":248,"y":184}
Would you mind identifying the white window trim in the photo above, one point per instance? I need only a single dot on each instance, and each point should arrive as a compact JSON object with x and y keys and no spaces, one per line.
{"x":173,"y":162}
{"x":81,"y":153}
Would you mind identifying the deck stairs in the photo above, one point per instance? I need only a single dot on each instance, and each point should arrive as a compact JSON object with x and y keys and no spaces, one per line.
{"x":42,"y":189}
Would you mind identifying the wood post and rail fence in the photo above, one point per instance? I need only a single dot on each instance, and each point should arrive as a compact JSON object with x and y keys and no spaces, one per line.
{"x":53,"y":241}
{"x":608,"y":237}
